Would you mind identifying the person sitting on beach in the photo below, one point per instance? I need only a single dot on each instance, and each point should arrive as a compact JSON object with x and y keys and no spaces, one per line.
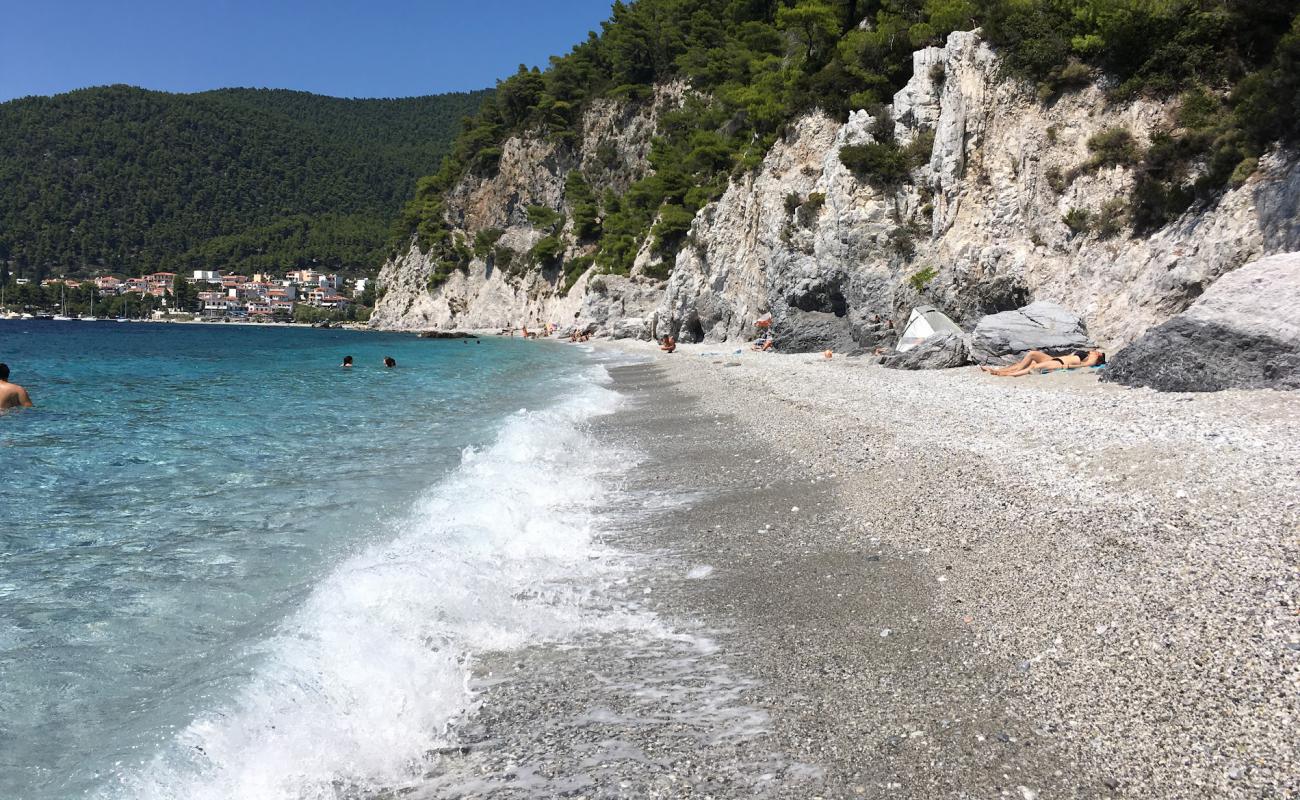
{"x":347,"y":362}
{"x":668,"y":344}
{"x":11,"y":394}
{"x":1038,"y":361}
{"x":764,"y":343}
{"x":389,"y":362}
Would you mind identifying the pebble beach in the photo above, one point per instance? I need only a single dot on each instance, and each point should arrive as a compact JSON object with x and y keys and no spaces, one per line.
{"x":923,"y":584}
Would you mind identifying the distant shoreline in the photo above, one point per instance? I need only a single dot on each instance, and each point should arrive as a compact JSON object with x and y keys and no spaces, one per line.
{"x":352,"y":326}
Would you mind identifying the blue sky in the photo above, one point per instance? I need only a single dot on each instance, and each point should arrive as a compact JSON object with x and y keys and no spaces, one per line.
{"x":383,"y":48}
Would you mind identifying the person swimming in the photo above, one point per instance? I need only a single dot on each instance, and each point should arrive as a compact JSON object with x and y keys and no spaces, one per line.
{"x":347,"y":361}
{"x":11,"y":394}
{"x":389,"y":362}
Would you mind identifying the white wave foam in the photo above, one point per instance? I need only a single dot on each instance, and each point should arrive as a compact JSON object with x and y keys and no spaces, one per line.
{"x":366,"y":678}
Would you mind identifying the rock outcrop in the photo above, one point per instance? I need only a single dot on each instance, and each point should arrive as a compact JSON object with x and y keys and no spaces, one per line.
{"x":940,"y":351}
{"x":1243,"y":333}
{"x":840,"y":261}
{"x":981,"y":229}
{"x":493,"y":292}
{"x":1004,"y":337}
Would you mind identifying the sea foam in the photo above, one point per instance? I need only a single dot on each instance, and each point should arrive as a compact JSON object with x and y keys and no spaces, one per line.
{"x":372,"y":672}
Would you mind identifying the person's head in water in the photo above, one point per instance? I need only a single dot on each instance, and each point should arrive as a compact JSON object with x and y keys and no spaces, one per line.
{"x":347,"y":361}
{"x":4,"y":372}
{"x":389,"y":362}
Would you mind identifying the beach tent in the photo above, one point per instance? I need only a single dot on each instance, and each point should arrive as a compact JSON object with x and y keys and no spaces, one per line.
{"x":925,"y":322}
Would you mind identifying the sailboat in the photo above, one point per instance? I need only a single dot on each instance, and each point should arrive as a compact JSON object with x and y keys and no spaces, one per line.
{"x":63,"y":315}
{"x":91,"y":316}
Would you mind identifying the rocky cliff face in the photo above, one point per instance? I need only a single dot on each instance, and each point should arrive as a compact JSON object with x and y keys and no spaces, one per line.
{"x":839,"y":262}
{"x":614,"y":145}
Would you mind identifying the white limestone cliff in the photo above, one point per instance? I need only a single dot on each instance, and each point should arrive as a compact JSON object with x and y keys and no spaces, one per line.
{"x":985,"y":217}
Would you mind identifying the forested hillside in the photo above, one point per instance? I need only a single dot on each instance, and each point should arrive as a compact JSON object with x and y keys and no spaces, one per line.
{"x":119,"y":178}
{"x":754,"y":65}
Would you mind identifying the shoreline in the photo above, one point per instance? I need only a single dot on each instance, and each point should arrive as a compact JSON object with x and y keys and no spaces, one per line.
{"x":1019,"y":587}
{"x":216,"y":323}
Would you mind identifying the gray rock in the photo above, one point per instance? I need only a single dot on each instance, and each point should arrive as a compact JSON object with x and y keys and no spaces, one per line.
{"x":1243,"y":333}
{"x":446,"y":335}
{"x":810,"y":331}
{"x":1004,"y":337}
{"x":630,"y":328}
{"x":940,"y":351}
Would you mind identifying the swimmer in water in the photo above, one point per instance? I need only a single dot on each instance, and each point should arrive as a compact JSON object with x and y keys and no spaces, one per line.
{"x":11,"y":394}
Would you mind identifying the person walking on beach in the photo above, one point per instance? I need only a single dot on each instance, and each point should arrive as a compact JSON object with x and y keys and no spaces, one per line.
{"x":11,"y":394}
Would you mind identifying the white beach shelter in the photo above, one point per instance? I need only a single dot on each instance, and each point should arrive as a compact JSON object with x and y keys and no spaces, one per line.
{"x":925,"y":322}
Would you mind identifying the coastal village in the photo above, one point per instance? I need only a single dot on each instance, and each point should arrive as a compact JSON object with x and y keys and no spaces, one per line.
{"x":214,"y":295}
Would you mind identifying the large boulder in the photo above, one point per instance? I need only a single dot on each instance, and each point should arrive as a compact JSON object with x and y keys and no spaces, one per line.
{"x":940,"y":351}
{"x":630,"y":328}
{"x":1243,"y":333}
{"x":1004,"y":337}
{"x":811,"y":331}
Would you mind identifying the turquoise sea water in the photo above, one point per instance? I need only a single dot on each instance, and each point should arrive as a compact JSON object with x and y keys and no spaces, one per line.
{"x":229,"y":568}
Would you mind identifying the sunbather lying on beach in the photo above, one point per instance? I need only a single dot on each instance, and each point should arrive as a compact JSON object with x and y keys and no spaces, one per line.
{"x":1038,"y":361}
{"x":764,"y":343}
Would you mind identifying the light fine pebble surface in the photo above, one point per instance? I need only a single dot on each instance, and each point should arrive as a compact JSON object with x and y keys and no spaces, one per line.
{"x":923,"y":584}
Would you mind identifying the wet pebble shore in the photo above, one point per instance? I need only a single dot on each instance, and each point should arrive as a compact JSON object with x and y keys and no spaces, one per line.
{"x":885,"y":584}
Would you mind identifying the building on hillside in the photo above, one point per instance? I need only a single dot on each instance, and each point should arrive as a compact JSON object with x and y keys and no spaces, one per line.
{"x":206,"y":276}
{"x":258,"y":308}
{"x":253,"y":290}
{"x":215,"y":302}
{"x":160,"y":283}
{"x":137,"y":285}
{"x":108,"y":285}
{"x":359,"y":286}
